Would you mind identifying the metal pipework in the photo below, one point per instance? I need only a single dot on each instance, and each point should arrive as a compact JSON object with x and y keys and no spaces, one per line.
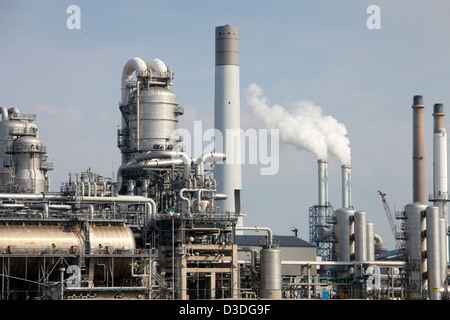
{"x":174,"y":155}
{"x":135,"y":65}
{"x":257,"y":229}
{"x":418,"y":151}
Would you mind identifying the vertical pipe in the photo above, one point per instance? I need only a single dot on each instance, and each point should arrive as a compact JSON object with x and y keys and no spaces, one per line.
{"x":418,"y":151}
{"x":346,"y":187}
{"x":433,"y":252}
{"x":370,"y":242}
{"x":227,"y":117}
{"x":138,"y":115}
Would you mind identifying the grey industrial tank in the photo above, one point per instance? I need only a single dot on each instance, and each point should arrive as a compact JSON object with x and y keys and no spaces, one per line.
{"x":6,"y":139}
{"x":27,"y":152}
{"x":159,"y":118}
{"x":270,"y":273}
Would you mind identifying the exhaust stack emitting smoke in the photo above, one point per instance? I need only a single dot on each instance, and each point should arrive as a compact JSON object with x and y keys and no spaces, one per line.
{"x":303,"y":126}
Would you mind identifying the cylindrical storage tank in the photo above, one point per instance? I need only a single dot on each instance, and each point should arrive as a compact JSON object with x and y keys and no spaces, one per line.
{"x":111,"y":240}
{"x":433,"y":253}
{"x":270,"y":259}
{"x":415,"y":245}
{"x":6,"y":139}
{"x":30,"y":241}
{"x":158,"y":118}
{"x":370,"y":242}
{"x":27,"y":152}
{"x":343,"y":231}
{"x":360,"y":236}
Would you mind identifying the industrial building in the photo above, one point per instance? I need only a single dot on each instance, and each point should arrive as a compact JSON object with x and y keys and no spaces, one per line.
{"x":172,"y":226}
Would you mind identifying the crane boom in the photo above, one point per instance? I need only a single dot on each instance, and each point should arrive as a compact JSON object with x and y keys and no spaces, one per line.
{"x":390,"y":219}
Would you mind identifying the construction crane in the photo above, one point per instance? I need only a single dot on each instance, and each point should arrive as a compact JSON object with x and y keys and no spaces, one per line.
{"x":390,"y":219}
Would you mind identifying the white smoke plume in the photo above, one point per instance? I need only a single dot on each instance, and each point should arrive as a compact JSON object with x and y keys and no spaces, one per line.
{"x":303,"y":126}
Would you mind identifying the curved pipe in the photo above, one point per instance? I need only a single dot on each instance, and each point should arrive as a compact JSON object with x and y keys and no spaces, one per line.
{"x":44,"y":207}
{"x":135,"y":65}
{"x":257,"y":229}
{"x":4,"y":112}
{"x":186,"y":198}
{"x":154,"y":163}
{"x":14,"y":111}
{"x":151,"y":155}
{"x":207,"y":158}
{"x":158,"y":66}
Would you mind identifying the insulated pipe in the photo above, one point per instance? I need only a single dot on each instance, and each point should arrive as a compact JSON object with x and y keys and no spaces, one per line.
{"x":207,"y":158}
{"x":154,"y":163}
{"x":43,"y":206}
{"x":418,"y":151}
{"x":4,"y":112}
{"x":151,"y":155}
{"x":257,"y":229}
{"x":135,"y":65}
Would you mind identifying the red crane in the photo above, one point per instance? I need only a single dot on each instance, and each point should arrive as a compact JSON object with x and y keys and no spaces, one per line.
{"x":390,"y":219}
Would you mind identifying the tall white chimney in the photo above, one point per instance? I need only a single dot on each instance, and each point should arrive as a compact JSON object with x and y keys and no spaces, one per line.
{"x":227,"y":117}
{"x":440,"y":193}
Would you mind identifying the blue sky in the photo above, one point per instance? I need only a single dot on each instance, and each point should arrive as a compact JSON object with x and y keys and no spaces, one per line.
{"x":319,"y":51}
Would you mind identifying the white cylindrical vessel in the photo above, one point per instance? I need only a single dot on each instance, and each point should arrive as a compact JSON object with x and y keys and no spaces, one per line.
{"x":415,"y":245}
{"x":343,"y":231}
{"x":433,"y":253}
{"x":158,"y":118}
{"x":360,"y":236}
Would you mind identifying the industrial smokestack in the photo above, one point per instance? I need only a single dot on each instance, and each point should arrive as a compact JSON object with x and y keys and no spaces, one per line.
{"x":346,"y":186}
{"x":323,"y":188}
{"x":440,"y":192}
{"x":227,"y":117}
{"x":418,"y":151}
